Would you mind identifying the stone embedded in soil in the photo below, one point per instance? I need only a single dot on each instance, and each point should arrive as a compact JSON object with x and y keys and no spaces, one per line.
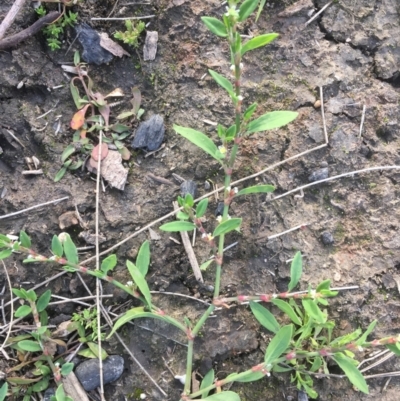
{"x":68,"y":219}
{"x":150,"y":134}
{"x":302,"y":396}
{"x":327,"y":238}
{"x":150,"y":46}
{"x":320,"y":174}
{"x":88,"y":372}
{"x":188,"y":187}
{"x":92,"y":53}
{"x":49,"y":393}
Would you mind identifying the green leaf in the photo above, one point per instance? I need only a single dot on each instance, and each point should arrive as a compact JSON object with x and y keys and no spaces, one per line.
{"x":256,"y":189}
{"x":182,"y":216}
{"x":24,"y":239}
{"x":143,"y":258}
{"x":41,"y":385}
{"x":77,"y":58}
{"x":324,"y":285}
{"x":3,"y":391}
{"x":353,"y":374}
{"x":95,"y":349}
{"x":200,"y":140}
{"x":264,"y":317}
{"x":251,"y":377}
{"x":227,"y":226}
{"x":246,"y":8}
{"x":87,"y":353}
{"x":119,"y":128}
{"x":5,"y":253}
{"x":205,"y":265}
{"x":201,"y":208}
{"x":279,"y":344}
{"x":249,"y":111}
{"x":296,"y":269}
{"x":260,"y":8}
{"x":313,"y":311}
{"x":20,"y":293}
{"x":286,"y":308}
{"x":223,"y":396}
{"x":395,"y":348}
{"x":56,"y":246}
{"x":23,"y":311}
{"x":215,"y":26}
{"x":70,"y":250}
{"x":207,"y":381}
{"x":43,"y":301}
{"x":139,"y":312}
{"x":274,"y":119}
{"x":31,"y":295}
{"x":258,"y":41}
{"x":68,"y":151}
{"x":75,"y":95}
{"x":178,"y":226}
{"x":140,"y":281}
{"x":223,"y":82}
{"x":29,"y":345}
{"x":108,"y":263}
{"x":67,"y":368}
{"x":60,"y":174}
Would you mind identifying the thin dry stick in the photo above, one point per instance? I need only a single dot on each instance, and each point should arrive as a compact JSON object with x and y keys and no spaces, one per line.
{"x":10,"y":17}
{"x":388,"y":374}
{"x":373,"y":357}
{"x":12,"y":307}
{"x":122,"y":19}
{"x":180,"y":295}
{"x":318,"y":13}
{"x":321,"y":97}
{"x":33,"y":207}
{"x":287,"y":231}
{"x":362,"y":120}
{"x":189,"y":250}
{"x":14,"y":137}
{"x":377,"y":363}
{"x":336,"y":177}
{"x":98,"y":285}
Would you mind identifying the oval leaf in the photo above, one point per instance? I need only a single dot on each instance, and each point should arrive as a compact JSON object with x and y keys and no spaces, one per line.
{"x":56,"y":246}
{"x":313,"y":311}
{"x":60,"y":174}
{"x":256,"y":189}
{"x":286,"y":308}
{"x":23,"y":311}
{"x":43,"y":301}
{"x":246,"y":8}
{"x":108,"y":263}
{"x":200,"y":140}
{"x":68,"y":151}
{"x":215,"y":26}
{"x":201,"y":208}
{"x":227,"y":226}
{"x":264,"y":317}
{"x":3,"y":391}
{"x":143,"y":258}
{"x":70,"y":250}
{"x":274,"y":119}
{"x":29,"y":345}
{"x":258,"y":41}
{"x":5,"y":253}
{"x":178,"y":226}
{"x":79,"y":118}
{"x":67,"y":368}
{"x":223,"y":396}
{"x":296,"y":269}
{"x":351,"y":371}
{"x":207,"y":382}
{"x":222,"y":81}
{"x":103,"y":152}
{"x":140,"y":281}
{"x":24,"y":239}
{"x":251,"y":377}
{"x":279,"y":344}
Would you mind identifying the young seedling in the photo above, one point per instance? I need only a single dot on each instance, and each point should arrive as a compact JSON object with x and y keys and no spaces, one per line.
{"x":132,"y":33}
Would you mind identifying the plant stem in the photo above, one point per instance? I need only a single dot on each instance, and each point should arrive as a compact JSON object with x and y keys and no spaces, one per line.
{"x":189,"y":363}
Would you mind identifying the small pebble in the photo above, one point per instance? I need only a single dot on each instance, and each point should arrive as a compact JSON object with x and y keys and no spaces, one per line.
{"x":327,"y":238}
{"x":88,"y":371}
{"x":150,"y":134}
{"x":318,"y":175}
{"x":220,"y":209}
{"x":48,"y":394}
{"x":317,"y":104}
{"x":207,"y":185}
{"x":188,"y":187}
{"x":302,"y":396}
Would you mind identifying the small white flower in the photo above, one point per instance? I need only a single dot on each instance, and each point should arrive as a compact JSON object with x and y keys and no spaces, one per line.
{"x":210,"y":237}
{"x":232,"y":67}
{"x":52,"y":258}
{"x":240,"y":98}
{"x":235,"y":190}
{"x":204,"y":235}
{"x":228,"y":188}
{"x":219,"y":219}
{"x":313,"y":294}
{"x":361,"y":349}
{"x":274,"y":296}
{"x":241,"y":66}
{"x":222,"y":149}
{"x":143,"y":396}
{"x":129,"y":283}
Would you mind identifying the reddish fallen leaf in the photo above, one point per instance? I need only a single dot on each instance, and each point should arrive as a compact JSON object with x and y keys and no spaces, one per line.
{"x":104,"y":152}
{"x":83,"y":133}
{"x":79,"y":118}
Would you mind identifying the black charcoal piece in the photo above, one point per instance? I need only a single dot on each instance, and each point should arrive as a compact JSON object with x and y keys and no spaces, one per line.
{"x":320,"y":174}
{"x":92,"y":53}
{"x":220,"y":209}
{"x":88,"y":372}
{"x":327,"y":238}
{"x":49,"y":393}
{"x":188,"y":187}
{"x":150,"y":134}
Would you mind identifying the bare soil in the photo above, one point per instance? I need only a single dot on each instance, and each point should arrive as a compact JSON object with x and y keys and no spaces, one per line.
{"x":352,"y":51}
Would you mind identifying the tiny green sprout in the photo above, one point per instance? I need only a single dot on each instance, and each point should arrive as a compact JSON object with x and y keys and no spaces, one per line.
{"x":132,"y":33}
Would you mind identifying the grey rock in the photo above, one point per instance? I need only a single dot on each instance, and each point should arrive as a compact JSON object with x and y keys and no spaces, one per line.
{"x":302,"y":396}
{"x":220,"y":209}
{"x":320,"y":174}
{"x":188,"y":187}
{"x":88,"y":372}
{"x":150,"y":134}
{"x":150,"y":46}
{"x":48,"y":394}
{"x":327,"y":238}
{"x":92,"y":53}
{"x":316,"y":133}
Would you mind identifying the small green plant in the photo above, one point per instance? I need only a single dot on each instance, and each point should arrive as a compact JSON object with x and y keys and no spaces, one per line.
{"x":132,"y":33}
{"x":36,"y":349}
{"x":53,"y":31}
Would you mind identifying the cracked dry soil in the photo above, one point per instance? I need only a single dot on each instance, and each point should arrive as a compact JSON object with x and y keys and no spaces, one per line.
{"x":353,"y":51}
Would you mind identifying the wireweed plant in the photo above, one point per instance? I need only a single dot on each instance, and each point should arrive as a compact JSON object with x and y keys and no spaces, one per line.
{"x":302,"y":341}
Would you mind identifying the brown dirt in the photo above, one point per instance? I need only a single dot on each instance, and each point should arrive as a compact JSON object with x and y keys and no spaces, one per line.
{"x":361,"y":212}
